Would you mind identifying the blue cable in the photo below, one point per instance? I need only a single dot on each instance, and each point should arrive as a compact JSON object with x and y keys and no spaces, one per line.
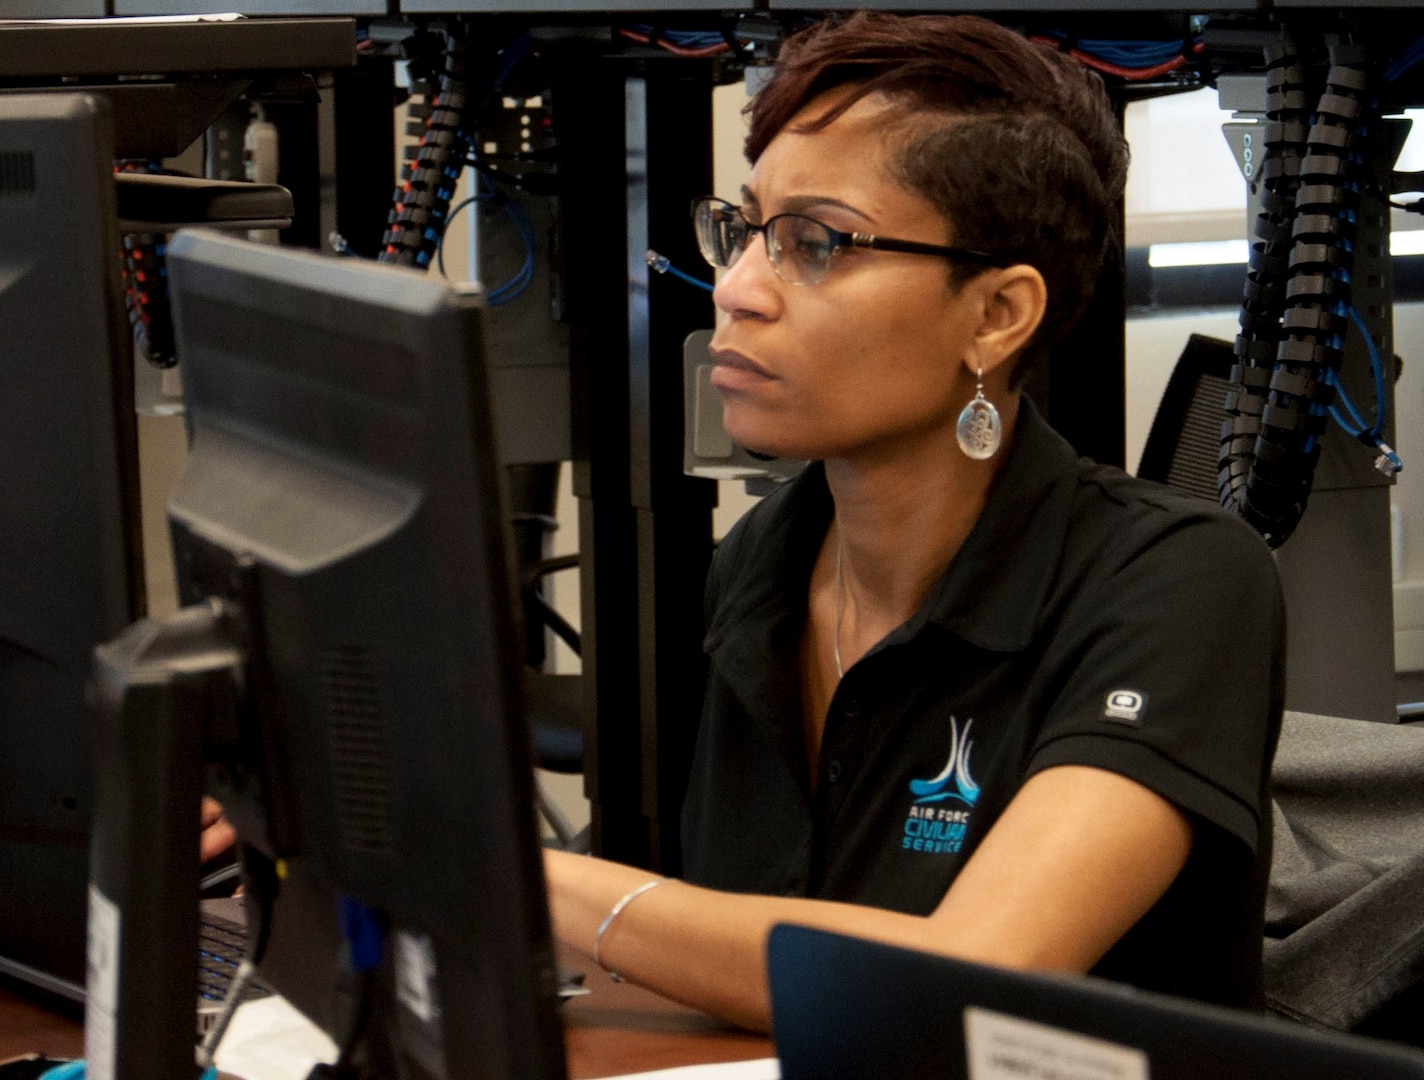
{"x":522,"y":278}
{"x":663,"y":265}
{"x":1355,"y":417}
{"x":1404,"y":61}
{"x":1136,"y":54}
{"x":1129,"y":54}
{"x":512,"y":53}
{"x":1354,"y":425}
{"x":1376,"y":367}
{"x":525,"y":274}
{"x":691,"y":39}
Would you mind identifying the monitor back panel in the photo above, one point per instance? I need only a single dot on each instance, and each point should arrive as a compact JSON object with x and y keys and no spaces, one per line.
{"x":845,"y":1008}
{"x":70,"y":570}
{"x":343,"y":451}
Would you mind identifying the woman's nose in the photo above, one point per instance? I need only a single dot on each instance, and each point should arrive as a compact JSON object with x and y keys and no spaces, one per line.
{"x":749,"y":285}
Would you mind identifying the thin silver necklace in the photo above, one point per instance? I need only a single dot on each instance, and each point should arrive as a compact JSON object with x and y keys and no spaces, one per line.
{"x":840,"y":610}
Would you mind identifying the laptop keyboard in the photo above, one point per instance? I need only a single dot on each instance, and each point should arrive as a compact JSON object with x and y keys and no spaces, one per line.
{"x":222,"y":944}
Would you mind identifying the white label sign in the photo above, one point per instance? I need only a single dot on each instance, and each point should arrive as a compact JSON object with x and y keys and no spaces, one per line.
{"x":101,"y":986}
{"x":1004,"y":1047}
{"x":415,"y":975}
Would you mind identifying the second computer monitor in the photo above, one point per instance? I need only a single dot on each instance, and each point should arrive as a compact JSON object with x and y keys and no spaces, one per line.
{"x":71,"y":571}
{"x":342,"y":491}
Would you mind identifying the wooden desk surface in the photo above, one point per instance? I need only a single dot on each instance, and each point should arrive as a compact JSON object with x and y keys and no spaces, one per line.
{"x":618,"y":1028}
{"x":30,"y":1028}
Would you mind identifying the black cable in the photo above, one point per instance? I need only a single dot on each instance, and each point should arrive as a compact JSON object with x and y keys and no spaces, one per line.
{"x":1263,"y":297}
{"x":144,"y":272}
{"x":445,"y":116}
{"x":422,"y":202}
{"x":344,"y":1066}
{"x":145,"y":281}
{"x":1295,"y":303}
{"x":1402,"y":182}
{"x":365,"y":930}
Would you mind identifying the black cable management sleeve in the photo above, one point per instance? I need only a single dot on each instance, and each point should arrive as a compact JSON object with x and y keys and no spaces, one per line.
{"x":421,"y":204}
{"x":145,"y":279}
{"x":1297,"y":287}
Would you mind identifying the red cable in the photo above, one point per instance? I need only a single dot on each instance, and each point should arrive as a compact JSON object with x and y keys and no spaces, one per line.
{"x":1135,"y":74}
{"x":677,"y":50}
{"x":1107,"y":68}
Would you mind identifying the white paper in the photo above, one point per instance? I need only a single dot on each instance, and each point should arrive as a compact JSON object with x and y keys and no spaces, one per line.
{"x":756,"y":1069}
{"x":268,"y":1039}
{"x":1004,"y":1047}
{"x":101,"y":985}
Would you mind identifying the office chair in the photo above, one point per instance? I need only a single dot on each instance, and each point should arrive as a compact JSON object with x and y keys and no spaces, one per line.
{"x":1184,"y":443}
{"x":1323,"y":908}
{"x":554,"y":702}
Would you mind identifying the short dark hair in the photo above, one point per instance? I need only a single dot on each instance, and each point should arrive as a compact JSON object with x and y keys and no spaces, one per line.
{"x":1018,"y":146}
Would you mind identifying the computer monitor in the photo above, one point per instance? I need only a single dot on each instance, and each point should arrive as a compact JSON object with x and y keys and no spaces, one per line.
{"x":71,"y":572}
{"x":348,"y":665}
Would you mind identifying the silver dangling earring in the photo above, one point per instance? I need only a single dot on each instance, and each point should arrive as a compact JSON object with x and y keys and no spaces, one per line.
{"x":979,"y":430}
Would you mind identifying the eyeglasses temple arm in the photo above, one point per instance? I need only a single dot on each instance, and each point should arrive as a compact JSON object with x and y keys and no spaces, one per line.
{"x":912,"y":247}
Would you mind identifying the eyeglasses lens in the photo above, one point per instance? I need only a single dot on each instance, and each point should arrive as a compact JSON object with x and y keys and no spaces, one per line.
{"x":800,"y":249}
{"x":721,"y":232}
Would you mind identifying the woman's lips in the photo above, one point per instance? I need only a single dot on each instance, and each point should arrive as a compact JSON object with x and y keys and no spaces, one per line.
{"x":732,"y":370}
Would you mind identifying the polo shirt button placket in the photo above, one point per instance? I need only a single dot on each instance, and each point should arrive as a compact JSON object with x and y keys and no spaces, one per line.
{"x":849,"y":710}
{"x":833,"y":771}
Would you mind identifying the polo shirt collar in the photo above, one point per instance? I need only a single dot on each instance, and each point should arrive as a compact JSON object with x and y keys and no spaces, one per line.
{"x":773,"y":578}
{"x":992,"y":593}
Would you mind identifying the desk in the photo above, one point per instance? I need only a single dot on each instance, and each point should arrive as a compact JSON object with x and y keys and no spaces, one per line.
{"x":618,"y":1028}
{"x":28,"y":1028}
{"x":621,"y":1028}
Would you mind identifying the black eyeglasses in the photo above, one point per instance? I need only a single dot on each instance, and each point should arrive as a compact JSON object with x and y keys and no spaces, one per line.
{"x":800,"y":248}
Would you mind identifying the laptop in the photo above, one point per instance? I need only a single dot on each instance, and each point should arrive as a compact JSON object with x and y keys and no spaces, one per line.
{"x":847,"y":1009}
{"x":222,"y":943}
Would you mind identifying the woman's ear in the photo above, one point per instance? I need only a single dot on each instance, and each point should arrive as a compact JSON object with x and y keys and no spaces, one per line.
{"x":1013,"y":300}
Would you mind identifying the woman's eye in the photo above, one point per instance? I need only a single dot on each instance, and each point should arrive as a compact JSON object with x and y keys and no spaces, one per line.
{"x":811,"y":244}
{"x":814,"y":253}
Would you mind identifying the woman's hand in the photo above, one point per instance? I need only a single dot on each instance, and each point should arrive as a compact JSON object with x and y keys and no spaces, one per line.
{"x":217,"y":836}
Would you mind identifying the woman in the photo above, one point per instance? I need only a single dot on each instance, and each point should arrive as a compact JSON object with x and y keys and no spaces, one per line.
{"x":967,"y":693}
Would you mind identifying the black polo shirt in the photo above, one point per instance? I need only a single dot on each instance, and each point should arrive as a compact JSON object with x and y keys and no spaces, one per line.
{"x":1090,"y":619}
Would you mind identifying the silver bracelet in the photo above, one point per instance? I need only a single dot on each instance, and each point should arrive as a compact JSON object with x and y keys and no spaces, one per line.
{"x":614,"y":912}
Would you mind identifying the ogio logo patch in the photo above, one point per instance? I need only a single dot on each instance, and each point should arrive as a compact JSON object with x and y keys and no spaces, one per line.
{"x":1125,"y":707}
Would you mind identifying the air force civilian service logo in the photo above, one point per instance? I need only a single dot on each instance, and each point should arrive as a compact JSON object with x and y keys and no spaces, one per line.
{"x":939,"y":816}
